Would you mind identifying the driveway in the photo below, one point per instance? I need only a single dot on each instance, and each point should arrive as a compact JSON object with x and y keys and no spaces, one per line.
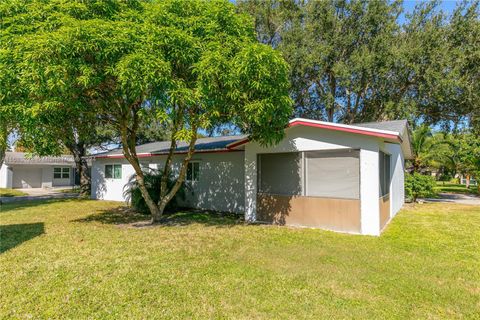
{"x":40,"y":194}
{"x":456,"y":198}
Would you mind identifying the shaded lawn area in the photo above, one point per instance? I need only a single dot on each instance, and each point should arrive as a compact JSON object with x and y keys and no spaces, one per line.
{"x":6,"y":192}
{"x":456,"y":188}
{"x":83,"y":259}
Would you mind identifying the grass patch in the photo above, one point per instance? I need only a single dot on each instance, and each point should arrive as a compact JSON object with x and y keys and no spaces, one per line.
{"x":456,"y":188}
{"x":6,"y":192}
{"x":70,"y":190}
{"x":87,"y":259}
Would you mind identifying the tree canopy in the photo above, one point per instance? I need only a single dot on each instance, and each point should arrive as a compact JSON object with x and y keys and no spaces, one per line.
{"x":354,"y":61}
{"x":187,"y":65}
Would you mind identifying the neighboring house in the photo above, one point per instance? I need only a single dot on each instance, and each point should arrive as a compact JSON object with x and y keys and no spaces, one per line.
{"x":347,"y":178}
{"x":21,"y":171}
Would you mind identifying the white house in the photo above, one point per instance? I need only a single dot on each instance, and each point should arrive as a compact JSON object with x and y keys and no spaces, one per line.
{"x":21,"y":171}
{"x":347,"y":178}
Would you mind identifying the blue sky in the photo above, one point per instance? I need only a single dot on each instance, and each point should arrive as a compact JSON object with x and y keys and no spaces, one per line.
{"x":446,"y":5}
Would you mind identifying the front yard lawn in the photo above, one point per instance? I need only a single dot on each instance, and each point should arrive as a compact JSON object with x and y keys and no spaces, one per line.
{"x":6,"y":192}
{"x":84,"y":259}
{"x":455,"y":188}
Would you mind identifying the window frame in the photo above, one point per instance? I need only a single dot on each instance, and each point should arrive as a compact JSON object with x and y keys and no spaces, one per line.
{"x":385,"y":179}
{"x":195,"y":176}
{"x":113,"y":175}
{"x":61,"y":172}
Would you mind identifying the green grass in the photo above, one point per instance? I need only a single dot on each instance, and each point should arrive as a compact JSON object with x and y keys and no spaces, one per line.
{"x":83,"y":259}
{"x":455,"y":188}
{"x":70,"y":190}
{"x":6,"y":192}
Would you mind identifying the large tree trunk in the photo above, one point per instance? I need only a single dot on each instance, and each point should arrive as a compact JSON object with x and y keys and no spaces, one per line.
{"x":128,"y":137}
{"x":3,"y":143}
{"x":165,"y":195}
{"x":3,"y":150}
{"x":81,"y":166}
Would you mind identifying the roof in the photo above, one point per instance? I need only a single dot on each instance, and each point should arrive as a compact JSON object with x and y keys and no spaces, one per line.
{"x":396,"y":129}
{"x":210,"y":144}
{"x":391,"y":131}
{"x":25,"y":158}
{"x":395,"y":125}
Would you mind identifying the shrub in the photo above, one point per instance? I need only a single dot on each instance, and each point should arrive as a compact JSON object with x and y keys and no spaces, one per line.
{"x":152,"y":181}
{"x":418,"y":185}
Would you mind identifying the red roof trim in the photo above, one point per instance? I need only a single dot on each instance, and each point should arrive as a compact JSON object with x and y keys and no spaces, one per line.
{"x":238,"y":143}
{"x":331,"y":127}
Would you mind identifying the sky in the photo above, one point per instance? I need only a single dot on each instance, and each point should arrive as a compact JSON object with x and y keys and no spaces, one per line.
{"x":446,"y":5}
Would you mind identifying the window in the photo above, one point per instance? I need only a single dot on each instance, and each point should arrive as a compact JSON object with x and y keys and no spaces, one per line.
{"x":329,"y":174}
{"x":384,"y":167}
{"x":61,"y":173}
{"x":333,"y":174}
{"x":193,"y":171}
{"x":113,"y":171}
{"x":280,"y":173}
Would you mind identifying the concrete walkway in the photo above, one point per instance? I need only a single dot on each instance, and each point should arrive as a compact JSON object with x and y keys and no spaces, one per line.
{"x":40,"y":194}
{"x":455,"y":198}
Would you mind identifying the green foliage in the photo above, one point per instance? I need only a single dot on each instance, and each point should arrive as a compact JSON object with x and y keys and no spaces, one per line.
{"x":152,"y":179}
{"x":183,"y":66}
{"x":419,"y":186}
{"x":354,"y":61}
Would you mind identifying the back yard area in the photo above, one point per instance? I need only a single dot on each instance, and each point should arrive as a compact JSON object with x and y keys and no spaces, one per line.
{"x":83,"y":258}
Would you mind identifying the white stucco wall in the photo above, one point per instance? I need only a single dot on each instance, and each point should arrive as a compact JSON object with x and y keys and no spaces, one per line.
{"x":47,"y":177}
{"x":109,"y":189}
{"x":220,"y":186}
{"x":26,"y":176}
{"x":5,"y":176}
{"x":397,"y":174}
{"x":370,"y":191}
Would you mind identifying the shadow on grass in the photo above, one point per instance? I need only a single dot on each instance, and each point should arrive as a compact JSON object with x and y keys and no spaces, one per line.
{"x":12,"y":235}
{"x":125,"y":215}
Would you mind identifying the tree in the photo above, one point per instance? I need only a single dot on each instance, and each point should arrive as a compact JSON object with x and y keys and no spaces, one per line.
{"x":11,"y":94}
{"x":339,"y":52}
{"x":56,"y":114}
{"x":52,"y":130}
{"x":188,"y":65}
{"x":353,"y":61}
{"x":422,"y":146}
{"x":466,"y":149}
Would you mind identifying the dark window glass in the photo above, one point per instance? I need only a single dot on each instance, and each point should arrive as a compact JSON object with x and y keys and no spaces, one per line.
{"x":193,"y":171}
{"x":280,"y":173}
{"x":384,"y":167}
{"x":108,"y":171}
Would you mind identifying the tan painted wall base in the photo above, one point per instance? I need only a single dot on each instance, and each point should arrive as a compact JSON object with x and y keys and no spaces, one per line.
{"x":326,"y":213}
{"x":384,"y":204}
